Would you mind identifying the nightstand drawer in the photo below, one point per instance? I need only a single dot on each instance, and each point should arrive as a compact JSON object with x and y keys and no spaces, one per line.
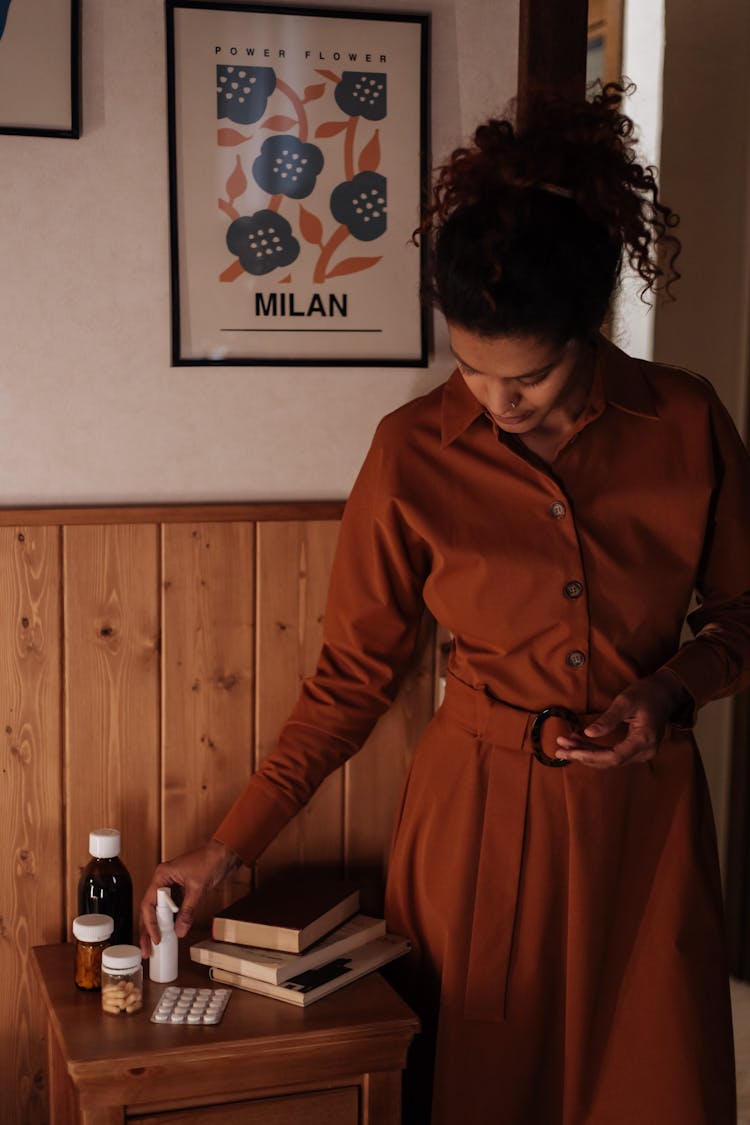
{"x":329,"y":1107}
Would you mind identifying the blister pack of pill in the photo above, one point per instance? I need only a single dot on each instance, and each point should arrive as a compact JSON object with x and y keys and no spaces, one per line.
{"x":191,"y":1005}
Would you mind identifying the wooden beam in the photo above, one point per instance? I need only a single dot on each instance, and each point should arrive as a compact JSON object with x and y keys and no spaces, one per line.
{"x":172,"y":513}
{"x":737,"y":881}
{"x":551,"y":50}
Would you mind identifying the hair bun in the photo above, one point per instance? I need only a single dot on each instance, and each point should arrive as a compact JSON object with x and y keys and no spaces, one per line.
{"x":562,"y":151}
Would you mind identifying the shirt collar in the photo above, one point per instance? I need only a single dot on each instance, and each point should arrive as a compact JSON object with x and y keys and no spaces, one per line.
{"x":621,"y":378}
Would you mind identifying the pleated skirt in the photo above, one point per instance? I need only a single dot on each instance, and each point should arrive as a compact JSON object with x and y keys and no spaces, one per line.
{"x":569,"y":960}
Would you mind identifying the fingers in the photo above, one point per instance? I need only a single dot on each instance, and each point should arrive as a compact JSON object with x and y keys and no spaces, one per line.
{"x":617,"y":756}
{"x":640,"y":744}
{"x":640,"y":712}
{"x":164,"y":876}
{"x":186,"y":916}
{"x":618,"y":712}
{"x":196,"y":872}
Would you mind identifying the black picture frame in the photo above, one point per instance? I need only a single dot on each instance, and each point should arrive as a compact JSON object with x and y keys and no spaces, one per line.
{"x":63,"y":33}
{"x":207,"y":149}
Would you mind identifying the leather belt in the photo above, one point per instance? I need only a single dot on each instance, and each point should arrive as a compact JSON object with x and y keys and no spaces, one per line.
{"x":503,"y":820}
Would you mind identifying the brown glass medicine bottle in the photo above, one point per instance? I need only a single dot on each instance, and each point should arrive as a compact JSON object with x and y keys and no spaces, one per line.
{"x":105,"y":886}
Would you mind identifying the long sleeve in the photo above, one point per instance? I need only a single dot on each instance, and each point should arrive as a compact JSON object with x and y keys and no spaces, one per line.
{"x":372,"y":614}
{"x":716,"y":662}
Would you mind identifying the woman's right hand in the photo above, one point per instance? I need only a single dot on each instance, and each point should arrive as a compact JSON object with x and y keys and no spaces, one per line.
{"x":196,"y":872}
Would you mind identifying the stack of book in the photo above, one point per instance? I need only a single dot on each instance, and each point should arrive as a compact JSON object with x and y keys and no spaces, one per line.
{"x":296,"y":939}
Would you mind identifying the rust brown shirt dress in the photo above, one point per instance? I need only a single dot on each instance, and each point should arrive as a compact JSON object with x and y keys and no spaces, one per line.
{"x":569,"y":919}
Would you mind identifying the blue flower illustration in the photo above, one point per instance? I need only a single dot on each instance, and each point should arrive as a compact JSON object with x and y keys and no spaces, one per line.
{"x":361,"y":205}
{"x":243,"y":91}
{"x":287,"y":166}
{"x":262,"y":242}
{"x":362,"y":95}
{"x":4,"y":6}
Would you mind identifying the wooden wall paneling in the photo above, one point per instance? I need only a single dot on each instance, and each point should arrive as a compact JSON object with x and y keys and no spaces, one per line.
{"x":111,"y":608}
{"x":31,"y":832}
{"x":174,"y":513}
{"x":551,"y":50}
{"x":294,"y":561}
{"x":208,"y":667}
{"x":374,"y":778}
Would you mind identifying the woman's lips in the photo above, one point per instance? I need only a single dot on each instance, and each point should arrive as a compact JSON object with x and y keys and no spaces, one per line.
{"x":513,"y":419}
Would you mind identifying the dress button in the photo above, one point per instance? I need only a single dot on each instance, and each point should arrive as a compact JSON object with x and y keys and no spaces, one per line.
{"x":558,"y":510}
{"x":576,"y":658}
{"x":573,"y":589}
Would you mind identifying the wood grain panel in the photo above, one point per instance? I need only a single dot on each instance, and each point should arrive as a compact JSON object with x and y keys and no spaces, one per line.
{"x":208,"y":643}
{"x":294,"y":562}
{"x":173,"y":513}
{"x":332,"y":1107}
{"x":374,"y":778}
{"x":31,"y":875}
{"x":111,"y":597}
{"x":551,"y":50}
{"x":99,"y":729}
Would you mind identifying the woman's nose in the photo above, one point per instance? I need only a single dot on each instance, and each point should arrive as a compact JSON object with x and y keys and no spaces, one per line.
{"x":503,"y":401}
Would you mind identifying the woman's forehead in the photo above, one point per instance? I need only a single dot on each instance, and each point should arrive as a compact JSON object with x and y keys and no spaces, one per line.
{"x":510,"y":357}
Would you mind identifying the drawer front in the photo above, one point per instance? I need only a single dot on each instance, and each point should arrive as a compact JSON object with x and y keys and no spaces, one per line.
{"x":327,"y":1107}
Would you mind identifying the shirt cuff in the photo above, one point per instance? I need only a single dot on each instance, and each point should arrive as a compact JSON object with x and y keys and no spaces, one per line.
{"x":255,"y":819}
{"x":685,"y":716}
{"x":695,"y":667}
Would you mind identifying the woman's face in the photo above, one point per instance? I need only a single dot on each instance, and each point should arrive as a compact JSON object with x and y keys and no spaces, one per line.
{"x":520,"y":380}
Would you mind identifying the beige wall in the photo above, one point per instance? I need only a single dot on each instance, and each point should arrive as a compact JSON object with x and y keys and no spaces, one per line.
{"x":704,"y":176}
{"x":643,"y":64}
{"x":91,"y":410}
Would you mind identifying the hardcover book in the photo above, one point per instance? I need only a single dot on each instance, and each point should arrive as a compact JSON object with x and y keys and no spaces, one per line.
{"x":314,"y":984}
{"x":288,"y":913}
{"x":273,"y":965}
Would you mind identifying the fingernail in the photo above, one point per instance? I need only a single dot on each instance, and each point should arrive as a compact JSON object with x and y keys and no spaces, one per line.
{"x":562,"y":754}
{"x":592,"y":731}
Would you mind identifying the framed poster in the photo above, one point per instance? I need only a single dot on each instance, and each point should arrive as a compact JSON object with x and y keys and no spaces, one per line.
{"x":39,"y":68}
{"x":298,"y":157}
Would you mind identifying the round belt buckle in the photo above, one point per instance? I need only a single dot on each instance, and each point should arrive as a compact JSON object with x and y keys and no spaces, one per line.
{"x":536,"y":733}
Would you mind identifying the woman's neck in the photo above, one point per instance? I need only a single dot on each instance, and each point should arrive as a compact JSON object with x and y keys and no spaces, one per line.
{"x":551,"y":435}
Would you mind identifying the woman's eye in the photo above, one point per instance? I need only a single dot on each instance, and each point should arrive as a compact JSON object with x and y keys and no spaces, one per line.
{"x":467,"y":370}
{"x":536,"y":379}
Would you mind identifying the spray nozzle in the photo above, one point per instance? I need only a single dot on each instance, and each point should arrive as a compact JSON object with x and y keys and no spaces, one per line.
{"x":165,"y":908}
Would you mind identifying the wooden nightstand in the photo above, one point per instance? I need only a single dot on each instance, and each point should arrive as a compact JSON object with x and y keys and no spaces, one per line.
{"x":338,"y":1062}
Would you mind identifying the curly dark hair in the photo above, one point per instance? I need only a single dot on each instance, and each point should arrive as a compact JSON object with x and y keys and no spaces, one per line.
{"x":530,"y":224}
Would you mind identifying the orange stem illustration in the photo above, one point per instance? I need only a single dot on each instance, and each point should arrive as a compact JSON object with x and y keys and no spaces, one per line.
{"x":228,"y":209}
{"x":231,"y":273}
{"x":351,"y":129}
{"x":298,"y":106}
{"x":339,"y":235}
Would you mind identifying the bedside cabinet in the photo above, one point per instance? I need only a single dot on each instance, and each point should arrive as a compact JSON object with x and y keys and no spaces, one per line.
{"x":338,"y":1062}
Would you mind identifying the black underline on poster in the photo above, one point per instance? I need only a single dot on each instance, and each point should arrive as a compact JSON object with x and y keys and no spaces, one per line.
{"x":349,"y":330}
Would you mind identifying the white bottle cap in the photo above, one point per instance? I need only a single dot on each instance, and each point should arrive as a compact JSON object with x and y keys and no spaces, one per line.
{"x":121,"y":957}
{"x":93,"y":927}
{"x":104,"y":843}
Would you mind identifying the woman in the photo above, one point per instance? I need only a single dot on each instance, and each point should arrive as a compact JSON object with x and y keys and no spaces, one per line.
{"x":554,"y":504}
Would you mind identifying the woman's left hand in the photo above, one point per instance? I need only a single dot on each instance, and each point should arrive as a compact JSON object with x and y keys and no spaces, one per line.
{"x":645,"y":708}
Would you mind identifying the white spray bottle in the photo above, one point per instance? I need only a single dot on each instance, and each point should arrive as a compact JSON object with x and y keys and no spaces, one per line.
{"x":162,"y":965}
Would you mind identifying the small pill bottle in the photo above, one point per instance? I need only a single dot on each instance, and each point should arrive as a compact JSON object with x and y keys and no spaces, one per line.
{"x":92,"y":933}
{"x":122,"y":980}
